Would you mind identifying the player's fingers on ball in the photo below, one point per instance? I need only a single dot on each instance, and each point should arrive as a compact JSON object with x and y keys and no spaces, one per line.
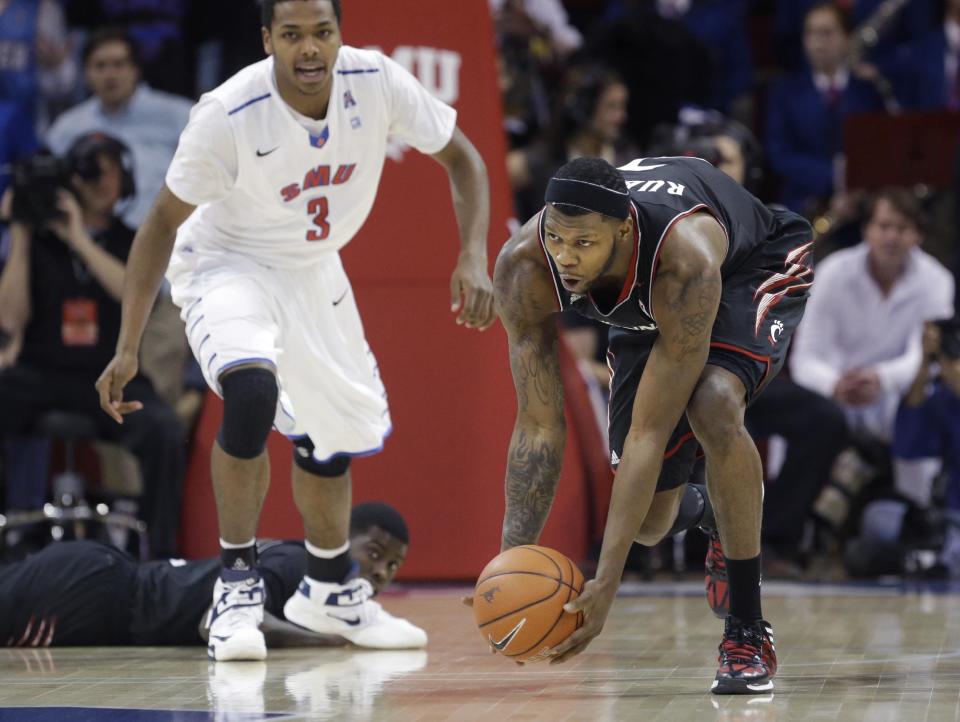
{"x":570,"y":654}
{"x":567,"y":644}
{"x":468,"y":601}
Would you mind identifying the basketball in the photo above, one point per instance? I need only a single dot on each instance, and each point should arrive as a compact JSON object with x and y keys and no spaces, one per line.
{"x":519,"y":598}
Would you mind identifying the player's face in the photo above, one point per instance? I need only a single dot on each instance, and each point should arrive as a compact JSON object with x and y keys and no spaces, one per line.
{"x":304,"y":40}
{"x":100,"y":194}
{"x":379,"y":554}
{"x":824,"y":40}
{"x":890,"y":236}
{"x":611,"y":112}
{"x":585,"y":247}
{"x":111,"y":73}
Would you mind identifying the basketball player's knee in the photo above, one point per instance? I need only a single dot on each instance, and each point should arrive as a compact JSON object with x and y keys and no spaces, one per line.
{"x":657,"y":523}
{"x":303,"y":457}
{"x":649,"y":538}
{"x":249,"y":406}
{"x":716,"y":411}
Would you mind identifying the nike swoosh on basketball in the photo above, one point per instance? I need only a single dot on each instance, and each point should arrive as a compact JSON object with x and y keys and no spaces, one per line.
{"x":337,"y":302}
{"x":502,"y":644}
{"x":261,"y":153}
{"x":353,"y":622}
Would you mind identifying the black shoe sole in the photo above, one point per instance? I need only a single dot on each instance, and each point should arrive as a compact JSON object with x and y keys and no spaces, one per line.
{"x":726,"y":685}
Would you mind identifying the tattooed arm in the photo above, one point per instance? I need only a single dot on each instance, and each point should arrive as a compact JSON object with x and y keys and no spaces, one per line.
{"x":685,"y":298}
{"x":526,"y":303}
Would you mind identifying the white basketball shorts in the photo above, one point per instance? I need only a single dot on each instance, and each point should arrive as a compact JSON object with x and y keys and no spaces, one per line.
{"x":305,"y":323}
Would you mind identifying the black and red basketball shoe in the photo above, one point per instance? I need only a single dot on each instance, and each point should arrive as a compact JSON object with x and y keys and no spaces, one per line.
{"x":748,"y":658}
{"x":715,"y":578}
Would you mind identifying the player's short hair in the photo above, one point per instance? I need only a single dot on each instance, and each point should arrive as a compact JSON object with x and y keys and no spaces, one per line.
{"x":103,"y":36}
{"x":589,"y":170}
{"x":843,"y":17}
{"x":903,"y":201}
{"x":379,"y":514}
{"x":267,"y":6}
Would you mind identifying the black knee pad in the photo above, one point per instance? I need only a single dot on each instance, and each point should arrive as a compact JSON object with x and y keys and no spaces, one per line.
{"x":249,"y":406}
{"x":303,"y":457}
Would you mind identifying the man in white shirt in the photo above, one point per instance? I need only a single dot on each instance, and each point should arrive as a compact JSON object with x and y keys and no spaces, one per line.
{"x":146,"y":120}
{"x":859,"y":341}
{"x":275,"y":172}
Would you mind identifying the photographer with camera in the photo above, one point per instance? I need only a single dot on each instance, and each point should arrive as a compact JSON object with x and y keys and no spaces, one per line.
{"x":928,"y":424}
{"x":60,"y":315}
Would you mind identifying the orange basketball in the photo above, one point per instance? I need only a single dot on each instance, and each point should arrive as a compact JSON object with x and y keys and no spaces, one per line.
{"x":518,"y":602}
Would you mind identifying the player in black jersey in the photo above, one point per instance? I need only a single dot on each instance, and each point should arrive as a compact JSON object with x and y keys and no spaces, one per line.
{"x":703,"y":287}
{"x":88,"y":593}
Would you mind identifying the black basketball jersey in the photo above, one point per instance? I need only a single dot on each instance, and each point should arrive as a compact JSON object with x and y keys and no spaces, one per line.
{"x":172,"y":595}
{"x":662,"y":191}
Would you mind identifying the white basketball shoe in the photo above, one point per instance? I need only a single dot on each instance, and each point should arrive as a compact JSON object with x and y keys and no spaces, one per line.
{"x":234,"y":621}
{"x":349,"y":611}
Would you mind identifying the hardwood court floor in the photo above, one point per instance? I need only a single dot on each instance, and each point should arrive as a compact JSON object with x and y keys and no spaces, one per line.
{"x":845,"y":654}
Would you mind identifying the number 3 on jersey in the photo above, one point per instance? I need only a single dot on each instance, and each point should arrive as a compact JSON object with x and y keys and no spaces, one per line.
{"x":319,"y":209}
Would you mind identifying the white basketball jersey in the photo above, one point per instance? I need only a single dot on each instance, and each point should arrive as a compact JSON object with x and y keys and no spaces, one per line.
{"x":270,"y":189}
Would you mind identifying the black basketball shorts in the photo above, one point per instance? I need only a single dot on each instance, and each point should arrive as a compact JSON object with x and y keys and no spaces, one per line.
{"x":761,"y":305}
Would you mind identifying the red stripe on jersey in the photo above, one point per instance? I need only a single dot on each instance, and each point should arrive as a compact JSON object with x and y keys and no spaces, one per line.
{"x":543,"y":247}
{"x":656,"y":252}
{"x":632,"y":278}
{"x":750,"y":354}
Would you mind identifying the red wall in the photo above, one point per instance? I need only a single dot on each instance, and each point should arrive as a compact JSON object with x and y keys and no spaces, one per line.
{"x":450,"y":390}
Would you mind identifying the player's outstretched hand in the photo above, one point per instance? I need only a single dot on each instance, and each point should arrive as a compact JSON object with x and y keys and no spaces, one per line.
{"x":594,"y":602}
{"x":115,"y":376}
{"x":471,"y":293}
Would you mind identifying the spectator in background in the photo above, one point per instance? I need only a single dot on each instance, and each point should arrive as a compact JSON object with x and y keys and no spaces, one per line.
{"x":528,"y":62}
{"x":662,"y":63}
{"x":17,"y":140}
{"x":162,"y":31}
{"x":549,"y":16}
{"x":928,"y":425}
{"x":60,"y":316}
{"x":859,"y":342}
{"x":927,"y":72}
{"x":911,"y":20}
{"x":721,"y":26}
{"x":146,"y":120}
{"x":590,"y":122}
{"x":806,"y":111}
{"x":36,"y":68}
{"x":724,"y":142}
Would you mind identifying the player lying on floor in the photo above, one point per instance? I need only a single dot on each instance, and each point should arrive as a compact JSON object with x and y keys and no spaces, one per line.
{"x":88,"y":593}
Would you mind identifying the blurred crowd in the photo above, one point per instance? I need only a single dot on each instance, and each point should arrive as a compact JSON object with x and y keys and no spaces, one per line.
{"x":861,"y":437}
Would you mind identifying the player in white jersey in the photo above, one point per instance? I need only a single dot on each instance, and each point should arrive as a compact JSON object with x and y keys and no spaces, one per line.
{"x":276,"y":171}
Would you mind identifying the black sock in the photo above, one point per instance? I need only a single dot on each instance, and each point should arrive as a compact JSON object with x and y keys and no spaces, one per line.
{"x":336,"y":569}
{"x":743,"y":581}
{"x":238,"y":563}
{"x":693,"y":506}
